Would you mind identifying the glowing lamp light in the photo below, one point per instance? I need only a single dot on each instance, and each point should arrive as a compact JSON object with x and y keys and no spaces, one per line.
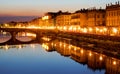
{"x":114,"y":63}
{"x":101,"y":30}
{"x":101,"y":58}
{"x":97,"y":29}
{"x":45,"y":17}
{"x":105,"y":29}
{"x":75,"y":48}
{"x":115,"y":30}
{"x":65,"y":28}
{"x":90,"y":54}
{"x":69,"y":47}
{"x":81,"y":51}
{"x":64,"y":45}
{"x":70,"y":28}
{"x":90,"y":29}
{"x":79,"y":28}
{"x":74,"y":28}
{"x":85,"y":30}
{"x":60,"y":44}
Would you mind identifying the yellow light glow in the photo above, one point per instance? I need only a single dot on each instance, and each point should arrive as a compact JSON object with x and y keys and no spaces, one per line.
{"x":45,"y":46}
{"x":32,"y":45}
{"x":75,"y":48}
{"x":97,"y":29}
{"x":90,"y":29}
{"x":101,"y":30}
{"x":19,"y":46}
{"x":70,"y":28}
{"x":115,"y":30}
{"x":6,"y":47}
{"x":114,"y":62}
{"x":105,"y":29}
{"x":69,"y":47}
{"x":60,"y":44}
{"x":52,"y":43}
{"x":101,"y":58}
{"x":82,"y":51}
{"x":65,"y":28}
{"x":79,"y":28}
{"x":90,"y":54}
{"x":46,"y":39}
{"x":85,"y":30}
{"x":45,"y":17}
{"x":64,"y":45}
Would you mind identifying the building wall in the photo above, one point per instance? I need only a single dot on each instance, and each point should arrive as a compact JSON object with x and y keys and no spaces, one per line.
{"x":96,"y":17}
{"x":63,"y":19}
{"x":79,"y":19}
{"x":113,"y":15}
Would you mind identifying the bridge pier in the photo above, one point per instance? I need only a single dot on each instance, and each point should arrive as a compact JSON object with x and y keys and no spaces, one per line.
{"x":13,"y":38}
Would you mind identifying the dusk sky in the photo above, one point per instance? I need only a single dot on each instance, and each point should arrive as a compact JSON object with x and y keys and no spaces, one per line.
{"x":39,"y":7}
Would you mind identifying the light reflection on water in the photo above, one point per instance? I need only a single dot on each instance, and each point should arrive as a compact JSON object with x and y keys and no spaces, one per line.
{"x":20,"y":36}
{"x":4,"y":36}
{"x":55,"y":57}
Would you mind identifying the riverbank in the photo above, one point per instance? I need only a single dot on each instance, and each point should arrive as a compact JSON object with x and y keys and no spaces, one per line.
{"x":109,"y":45}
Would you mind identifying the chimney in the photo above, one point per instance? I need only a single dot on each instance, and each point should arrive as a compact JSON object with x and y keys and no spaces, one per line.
{"x":118,"y":2}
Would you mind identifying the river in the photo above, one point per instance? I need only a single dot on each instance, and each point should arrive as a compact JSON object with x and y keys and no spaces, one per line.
{"x":58,"y":56}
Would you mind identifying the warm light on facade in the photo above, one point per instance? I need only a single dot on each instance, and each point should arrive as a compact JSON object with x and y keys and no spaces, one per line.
{"x":81,"y":51}
{"x":90,"y":54}
{"x":90,"y":29}
{"x":64,"y":45}
{"x":85,"y":30}
{"x":105,"y":29}
{"x":75,"y":48}
{"x":115,"y":30}
{"x":65,"y":28}
{"x":70,"y":28}
{"x":114,"y":63}
{"x":45,"y":17}
{"x":69,"y":47}
{"x":101,"y":30}
{"x":97,"y":29}
{"x":101,"y":58}
{"x":60,"y":44}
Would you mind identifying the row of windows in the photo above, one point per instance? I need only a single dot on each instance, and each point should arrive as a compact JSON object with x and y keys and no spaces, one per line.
{"x":75,"y":23}
{"x":97,"y":16}
{"x":75,"y":17}
{"x":113,"y":14}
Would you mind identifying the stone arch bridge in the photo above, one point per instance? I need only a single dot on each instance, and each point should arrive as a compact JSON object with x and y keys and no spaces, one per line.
{"x":13,"y":31}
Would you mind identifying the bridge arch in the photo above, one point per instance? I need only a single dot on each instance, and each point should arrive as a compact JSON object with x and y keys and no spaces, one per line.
{"x":15,"y":31}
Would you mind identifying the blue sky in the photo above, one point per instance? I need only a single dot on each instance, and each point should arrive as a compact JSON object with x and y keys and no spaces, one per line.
{"x":39,"y":7}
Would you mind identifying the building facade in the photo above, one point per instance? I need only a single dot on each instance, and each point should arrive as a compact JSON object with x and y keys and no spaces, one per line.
{"x":79,"y":18}
{"x":113,"y":14}
{"x":96,"y":17}
{"x":63,"y":19}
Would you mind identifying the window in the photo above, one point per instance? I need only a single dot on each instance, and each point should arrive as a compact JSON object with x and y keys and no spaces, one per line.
{"x":98,"y":16}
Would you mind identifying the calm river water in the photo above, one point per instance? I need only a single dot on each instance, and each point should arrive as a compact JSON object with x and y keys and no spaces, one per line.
{"x":58,"y":56}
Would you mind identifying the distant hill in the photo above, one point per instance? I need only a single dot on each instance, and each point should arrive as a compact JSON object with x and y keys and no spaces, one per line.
{"x":6,"y":19}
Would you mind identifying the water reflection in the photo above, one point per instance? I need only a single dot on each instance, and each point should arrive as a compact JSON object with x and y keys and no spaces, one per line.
{"x":6,"y":47}
{"x":25,"y":36}
{"x":4,"y":36}
{"x":94,"y":60}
